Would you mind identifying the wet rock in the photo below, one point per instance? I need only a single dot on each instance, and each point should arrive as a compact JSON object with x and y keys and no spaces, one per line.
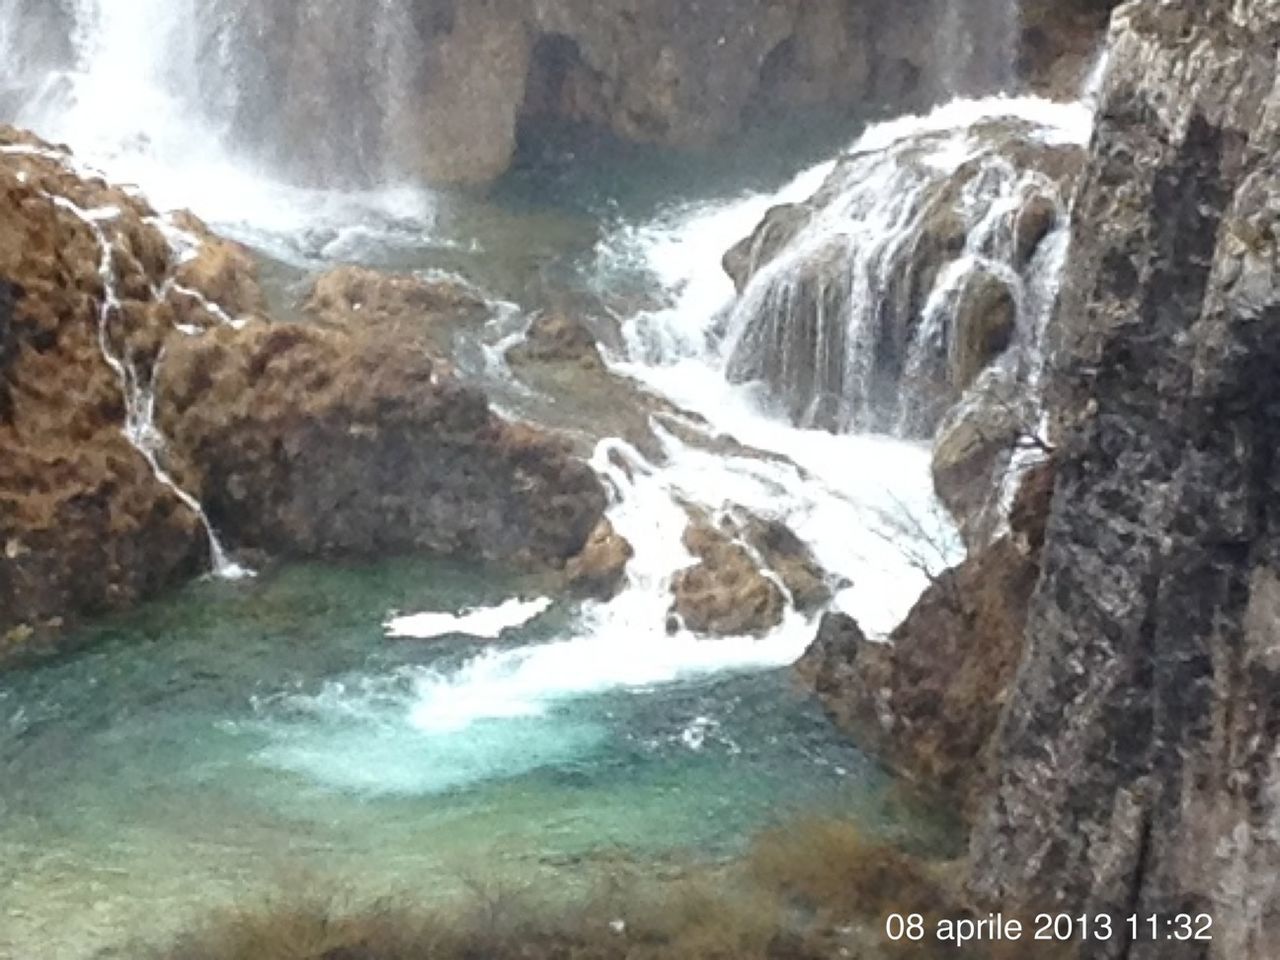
{"x":789,"y":558}
{"x":308,"y":441}
{"x":778,"y":228}
{"x":599,"y":570}
{"x":1136,"y":765}
{"x":1036,"y":220}
{"x":972,"y":453}
{"x":224,"y":271}
{"x":748,"y":569}
{"x":554,"y":337}
{"x":725,"y":593}
{"x":86,"y":525}
{"x":886,"y":330}
{"x":984,"y":324}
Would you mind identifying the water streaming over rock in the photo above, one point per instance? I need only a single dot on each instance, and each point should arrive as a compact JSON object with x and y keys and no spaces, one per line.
{"x":319,"y":89}
{"x":137,"y":388}
{"x":875,"y":304}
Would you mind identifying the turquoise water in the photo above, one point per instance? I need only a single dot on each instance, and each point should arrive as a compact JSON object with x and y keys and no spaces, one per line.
{"x":231,"y":737}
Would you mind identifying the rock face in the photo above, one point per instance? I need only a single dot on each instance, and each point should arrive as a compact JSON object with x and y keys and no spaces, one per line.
{"x":929,"y":700}
{"x":1137,"y":761}
{"x":308,"y":442}
{"x":85,"y":524}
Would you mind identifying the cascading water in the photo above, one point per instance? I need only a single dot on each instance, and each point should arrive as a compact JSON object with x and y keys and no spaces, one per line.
{"x":173,"y":77}
{"x":864,"y":307}
{"x":978,"y":46}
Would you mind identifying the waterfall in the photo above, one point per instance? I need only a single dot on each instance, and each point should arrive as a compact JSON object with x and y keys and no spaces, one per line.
{"x":977,"y":46}
{"x":911,"y":268}
{"x":318,"y":90}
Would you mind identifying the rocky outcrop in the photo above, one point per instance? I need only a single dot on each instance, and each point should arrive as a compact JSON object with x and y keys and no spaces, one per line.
{"x":449,"y":89}
{"x":86,"y":525}
{"x":749,"y":571}
{"x":1137,"y":759}
{"x":314,"y":442}
{"x":929,"y":699}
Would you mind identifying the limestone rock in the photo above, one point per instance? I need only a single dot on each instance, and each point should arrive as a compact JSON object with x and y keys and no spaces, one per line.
{"x":745,"y":563}
{"x":304,"y":441}
{"x":725,"y":593}
{"x":86,"y":524}
{"x":600,"y":569}
{"x":984,"y":324}
{"x":927,"y":317}
{"x":1137,"y":762}
{"x":974,"y":450}
{"x":398,"y":304}
{"x":224,"y":271}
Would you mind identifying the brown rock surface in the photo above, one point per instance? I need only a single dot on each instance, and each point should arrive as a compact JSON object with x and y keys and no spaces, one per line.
{"x":746,"y":568}
{"x":305,"y":441}
{"x":600,"y":569}
{"x":554,"y":337}
{"x":399,"y":304}
{"x":85,"y":526}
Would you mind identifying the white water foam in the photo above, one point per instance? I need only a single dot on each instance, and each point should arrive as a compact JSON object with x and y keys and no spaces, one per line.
{"x":485,"y":623}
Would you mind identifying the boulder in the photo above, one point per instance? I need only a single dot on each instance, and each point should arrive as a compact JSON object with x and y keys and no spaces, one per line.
{"x":600,"y":569}
{"x":749,"y":569}
{"x":983,"y":328}
{"x":725,"y":593}
{"x":309,"y":441}
{"x":1036,"y":220}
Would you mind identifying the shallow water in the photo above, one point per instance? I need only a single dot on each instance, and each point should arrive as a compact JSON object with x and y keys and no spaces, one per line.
{"x":234,"y":736}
